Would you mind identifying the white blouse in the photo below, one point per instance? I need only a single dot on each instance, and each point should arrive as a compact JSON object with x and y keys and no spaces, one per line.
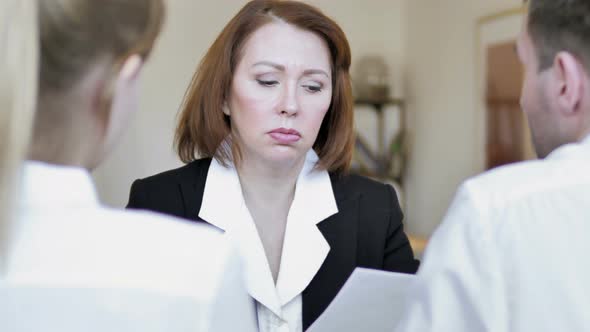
{"x":75,"y":265}
{"x":279,"y":307}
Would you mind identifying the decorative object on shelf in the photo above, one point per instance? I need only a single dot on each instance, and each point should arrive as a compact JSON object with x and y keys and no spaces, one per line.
{"x":387,"y":163}
{"x":371,"y":79}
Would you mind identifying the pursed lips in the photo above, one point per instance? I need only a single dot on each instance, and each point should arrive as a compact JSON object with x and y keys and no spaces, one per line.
{"x":285,"y":135}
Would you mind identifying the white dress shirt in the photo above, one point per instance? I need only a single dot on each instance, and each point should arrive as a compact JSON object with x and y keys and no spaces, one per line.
{"x":77,"y":266}
{"x":511,"y":254}
{"x":279,"y":307}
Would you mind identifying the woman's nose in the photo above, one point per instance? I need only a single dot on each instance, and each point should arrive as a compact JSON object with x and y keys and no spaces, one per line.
{"x":289,"y":104}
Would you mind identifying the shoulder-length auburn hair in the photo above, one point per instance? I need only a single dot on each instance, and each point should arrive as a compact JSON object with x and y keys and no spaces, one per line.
{"x":203,"y":127}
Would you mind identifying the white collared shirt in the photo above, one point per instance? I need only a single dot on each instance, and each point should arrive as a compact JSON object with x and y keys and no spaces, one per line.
{"x":279,"y":307}
{"x":511,"y":254}
{"x":77,"y":266}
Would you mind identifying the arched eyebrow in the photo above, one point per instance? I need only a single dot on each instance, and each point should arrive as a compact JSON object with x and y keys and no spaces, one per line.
{"x":282,"y":68}
{"x":316,"y":71}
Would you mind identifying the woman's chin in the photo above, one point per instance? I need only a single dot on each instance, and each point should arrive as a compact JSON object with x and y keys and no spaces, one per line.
{"x":284,"y":154}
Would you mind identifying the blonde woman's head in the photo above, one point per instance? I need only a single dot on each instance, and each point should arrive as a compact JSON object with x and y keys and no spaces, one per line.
{"x":91,"y":55}
{"x":76,"y":63}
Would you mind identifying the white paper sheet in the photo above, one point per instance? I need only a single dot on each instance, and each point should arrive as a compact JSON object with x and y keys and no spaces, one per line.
{"x":370,"y":300}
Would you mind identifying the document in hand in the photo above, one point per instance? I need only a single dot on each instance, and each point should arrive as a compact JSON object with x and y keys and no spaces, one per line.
{"x":370,"y":300}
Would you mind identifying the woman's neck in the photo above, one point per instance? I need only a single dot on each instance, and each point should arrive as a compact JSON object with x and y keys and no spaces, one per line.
{"x":65,"y":134}
{"x":69,"y":148}
{"x":268,"y":193}
{"x":265,"y":183}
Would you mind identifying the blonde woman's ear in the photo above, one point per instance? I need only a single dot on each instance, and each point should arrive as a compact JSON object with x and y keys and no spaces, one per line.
{"x":131,"y":67}
{"x":225,"y":108}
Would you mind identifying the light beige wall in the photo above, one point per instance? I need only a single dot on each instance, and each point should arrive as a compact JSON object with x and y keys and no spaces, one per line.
{"x":442,"y":103}
{"x":373,"y":26}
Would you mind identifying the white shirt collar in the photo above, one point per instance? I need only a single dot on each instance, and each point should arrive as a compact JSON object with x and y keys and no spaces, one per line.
{"x":571,"y":149}
{"x":54,"y":186}
{"x":304,"y":247}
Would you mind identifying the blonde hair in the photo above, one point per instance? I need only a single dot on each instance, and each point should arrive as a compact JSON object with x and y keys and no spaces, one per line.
{"x":77,"y":34}
{"x":46,"y":47}
{"x":18,"y":95}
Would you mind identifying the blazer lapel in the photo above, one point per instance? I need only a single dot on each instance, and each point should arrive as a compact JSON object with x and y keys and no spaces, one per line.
{"x":190,"y":198}
{"x":192,"y":187}
{"x":340,"y":231}
{"x":304,"y":247}
{"x":223,"y":206}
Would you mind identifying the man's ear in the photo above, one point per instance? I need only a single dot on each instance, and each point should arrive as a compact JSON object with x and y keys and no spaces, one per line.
{"x":568,"y":74}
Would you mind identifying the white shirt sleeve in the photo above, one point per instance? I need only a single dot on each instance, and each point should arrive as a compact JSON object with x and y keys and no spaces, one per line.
{"x":459,"y":284}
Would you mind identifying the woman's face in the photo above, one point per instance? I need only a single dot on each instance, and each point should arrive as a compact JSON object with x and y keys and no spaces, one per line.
{"x":280,"y":93}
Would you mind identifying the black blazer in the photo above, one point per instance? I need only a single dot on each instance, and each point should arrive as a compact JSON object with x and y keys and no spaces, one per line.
{"x":366,"y":232}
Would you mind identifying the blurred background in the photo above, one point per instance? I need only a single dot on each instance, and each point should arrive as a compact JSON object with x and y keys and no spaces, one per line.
{"x":430,"y":112}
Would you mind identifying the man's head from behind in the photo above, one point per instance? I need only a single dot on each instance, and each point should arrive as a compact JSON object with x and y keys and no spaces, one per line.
{"x":554,"y":47}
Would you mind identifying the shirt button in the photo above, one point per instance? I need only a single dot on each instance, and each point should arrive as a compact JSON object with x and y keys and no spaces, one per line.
{"x":284,"y":327}
{"x":276,"y":321}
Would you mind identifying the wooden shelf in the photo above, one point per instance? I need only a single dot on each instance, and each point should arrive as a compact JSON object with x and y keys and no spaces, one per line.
{"x":380,"y":104}
{"x":418,"y":244}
